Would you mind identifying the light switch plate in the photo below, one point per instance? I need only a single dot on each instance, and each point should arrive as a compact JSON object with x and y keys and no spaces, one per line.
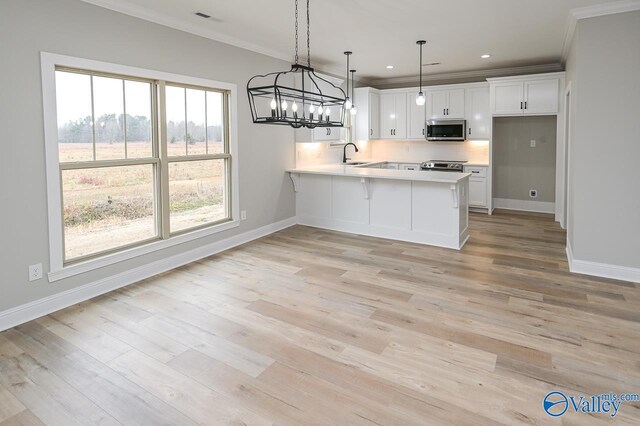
{"x":243,"y":215}
{"x":532,"y":142}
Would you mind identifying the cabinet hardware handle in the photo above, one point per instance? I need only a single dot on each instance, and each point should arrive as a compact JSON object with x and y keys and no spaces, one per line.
{"x":475,"y":171}
{"x":520,"y":105}
{"x":370,"y":132}
{"x":422,"y":132}
{"x":525,"y":105}
{"x":447,"y":111}
{"x":469,"y":131}
{"x":444,"y":111}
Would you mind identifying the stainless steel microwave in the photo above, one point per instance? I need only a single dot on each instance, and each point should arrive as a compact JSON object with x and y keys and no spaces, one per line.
{"x":446,"y":130}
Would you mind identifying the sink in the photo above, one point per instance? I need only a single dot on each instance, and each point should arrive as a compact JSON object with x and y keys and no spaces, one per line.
{"x":355,"y":163}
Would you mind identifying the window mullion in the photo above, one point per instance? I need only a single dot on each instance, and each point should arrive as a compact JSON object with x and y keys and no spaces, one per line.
{"x":93,"y":119}
{"x":164,"y":163}
{"x":124,"y":118}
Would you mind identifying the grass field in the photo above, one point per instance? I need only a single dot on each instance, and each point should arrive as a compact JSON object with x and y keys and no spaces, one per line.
{"x":110,"y":207}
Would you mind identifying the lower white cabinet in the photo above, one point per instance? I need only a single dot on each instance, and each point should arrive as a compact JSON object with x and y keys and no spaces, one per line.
{"x":477,"y":186}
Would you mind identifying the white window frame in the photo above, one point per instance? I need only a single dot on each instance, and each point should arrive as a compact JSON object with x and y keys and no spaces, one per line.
{"x":58,"y":270}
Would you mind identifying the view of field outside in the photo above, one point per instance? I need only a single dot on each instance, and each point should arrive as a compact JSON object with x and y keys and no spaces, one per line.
{"x":101,"y":118}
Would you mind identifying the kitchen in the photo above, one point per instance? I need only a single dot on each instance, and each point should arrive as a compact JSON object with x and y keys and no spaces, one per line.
{"x":447,"y":139}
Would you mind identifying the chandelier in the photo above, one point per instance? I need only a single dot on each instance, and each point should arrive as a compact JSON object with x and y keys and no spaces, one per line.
{"x":298,"y":97}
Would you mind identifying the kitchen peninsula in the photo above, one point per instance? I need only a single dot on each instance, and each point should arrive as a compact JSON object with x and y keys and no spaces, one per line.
{"x":426,"y":207}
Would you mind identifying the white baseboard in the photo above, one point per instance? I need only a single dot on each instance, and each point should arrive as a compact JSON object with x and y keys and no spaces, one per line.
{"x":603,"y":270}
{"x":36,"y":309}
{"x":524,"y":205}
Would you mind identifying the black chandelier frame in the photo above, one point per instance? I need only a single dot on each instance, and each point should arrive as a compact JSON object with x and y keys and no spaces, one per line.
{"x":311,"y":102}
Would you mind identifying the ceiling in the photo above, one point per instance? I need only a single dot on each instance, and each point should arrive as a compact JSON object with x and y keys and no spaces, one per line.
{"x":517,"y":33}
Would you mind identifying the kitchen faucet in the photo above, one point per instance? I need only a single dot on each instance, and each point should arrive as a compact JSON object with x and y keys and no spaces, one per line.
{"x":344,"y":151}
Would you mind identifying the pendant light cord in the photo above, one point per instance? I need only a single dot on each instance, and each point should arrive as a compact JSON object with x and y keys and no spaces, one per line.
{"x":308,"y":37}
{"x":420,"y":68}
{"x":296,"y":60}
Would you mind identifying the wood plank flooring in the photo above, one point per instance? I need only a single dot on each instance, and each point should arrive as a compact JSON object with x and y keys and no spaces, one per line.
{"x":315,"y":327}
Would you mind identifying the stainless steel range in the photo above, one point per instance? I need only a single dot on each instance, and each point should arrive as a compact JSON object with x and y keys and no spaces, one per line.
{"x":443,"y":166}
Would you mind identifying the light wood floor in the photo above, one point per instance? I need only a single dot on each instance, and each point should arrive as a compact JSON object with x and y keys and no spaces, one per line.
{"x":315,"y":327}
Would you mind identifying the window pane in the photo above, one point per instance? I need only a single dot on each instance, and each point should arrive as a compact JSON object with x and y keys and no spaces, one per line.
{"x":196,"y":193}
{"x":215,"y":123}
{"x":176,"y":131}
{"x":108,"y":109}
{"x":75,"y":126}
{"x":196,"y":144}
{"x":107,"y":207}
{"x":138,"y":105}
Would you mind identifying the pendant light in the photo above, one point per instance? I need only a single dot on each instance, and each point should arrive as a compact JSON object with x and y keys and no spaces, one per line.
{"x":353,"y":109}
{"x":348,"y":103}
{"x":420,"y":98}
{"x":312,"y":100}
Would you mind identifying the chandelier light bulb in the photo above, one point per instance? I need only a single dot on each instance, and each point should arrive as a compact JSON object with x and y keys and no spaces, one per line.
{"x":327,"y":112}
{"x":284,"y":105}
{"x":320,"y":110}
{"x":294,"y":107}
{"x":312,"y":109}
{"x":273,"y":103}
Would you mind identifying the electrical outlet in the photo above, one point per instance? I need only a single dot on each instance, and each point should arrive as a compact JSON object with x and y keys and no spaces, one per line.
{"x":243,"y":215}
{"x":532,"y":142}
{"x":533,"y":193}
{"x":35,"y":272}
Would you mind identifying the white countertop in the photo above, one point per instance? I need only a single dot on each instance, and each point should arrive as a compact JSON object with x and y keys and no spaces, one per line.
{"x":364,"y":172}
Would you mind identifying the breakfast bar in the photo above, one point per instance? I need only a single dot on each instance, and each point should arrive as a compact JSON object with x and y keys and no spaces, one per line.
{"x":426,"y":207}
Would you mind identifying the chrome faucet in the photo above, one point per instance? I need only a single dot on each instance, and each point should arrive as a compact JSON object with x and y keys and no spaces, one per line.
{"x":344,"y":151}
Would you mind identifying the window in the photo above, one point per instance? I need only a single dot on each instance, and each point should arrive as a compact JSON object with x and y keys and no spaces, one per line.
{"x":141,"y":160}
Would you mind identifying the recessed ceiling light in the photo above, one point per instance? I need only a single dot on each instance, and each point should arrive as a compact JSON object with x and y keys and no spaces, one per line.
{"x":485,"y":56}
{"x":389,"y":67}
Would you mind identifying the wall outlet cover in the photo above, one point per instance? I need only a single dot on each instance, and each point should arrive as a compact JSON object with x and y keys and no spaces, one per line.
{"x":532,"y":142}
{"x":533,"y":193}
{"x":243,"y":215}
{"x":35,"y":272}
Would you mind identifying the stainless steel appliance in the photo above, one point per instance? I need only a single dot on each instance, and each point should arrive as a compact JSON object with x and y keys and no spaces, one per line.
{"x":443,"y":166}
{"x":446,"y":130}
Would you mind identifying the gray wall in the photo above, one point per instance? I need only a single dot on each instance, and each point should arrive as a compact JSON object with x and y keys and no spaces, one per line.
{"x":604,"y":202}
{"x":517,"y":167}
{"x":74,"y":28}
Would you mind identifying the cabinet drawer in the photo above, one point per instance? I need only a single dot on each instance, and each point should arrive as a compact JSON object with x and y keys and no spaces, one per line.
{"x":476,"y":171}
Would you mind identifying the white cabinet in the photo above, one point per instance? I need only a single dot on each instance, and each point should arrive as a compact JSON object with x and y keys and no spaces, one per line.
{"x":445,"y":103}
{"x":393,"y":115}
{"x":415,"y":118}
{"x":327,"y":134}
{"x":477,"y":112}
{"x":532,"y":95}
{"x":477,"y":186}
{"x":367,"y":122}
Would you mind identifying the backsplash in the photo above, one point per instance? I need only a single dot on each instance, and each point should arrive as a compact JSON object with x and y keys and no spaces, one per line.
{"x":418,"y":151}
{"x":317,"y":153}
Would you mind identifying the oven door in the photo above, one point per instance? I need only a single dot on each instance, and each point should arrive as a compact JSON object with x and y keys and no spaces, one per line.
{"x":446,"y":130}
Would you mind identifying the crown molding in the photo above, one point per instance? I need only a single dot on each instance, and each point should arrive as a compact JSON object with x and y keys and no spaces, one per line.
{"x":127,"y":8}
{"x":476,"y":74}
{"x":591,"y":12}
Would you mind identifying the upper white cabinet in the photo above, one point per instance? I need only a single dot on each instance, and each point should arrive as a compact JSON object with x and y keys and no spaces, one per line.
{"x":367,"y":122}
{"x":415,"y":118}
{"x":447,"y":103}
{"x":477,"y":112}
{"x":393,"y":115}
{"x":529,"y":95}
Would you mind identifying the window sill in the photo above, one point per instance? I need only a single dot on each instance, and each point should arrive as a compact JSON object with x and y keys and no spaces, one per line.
{"x":90,"y":265}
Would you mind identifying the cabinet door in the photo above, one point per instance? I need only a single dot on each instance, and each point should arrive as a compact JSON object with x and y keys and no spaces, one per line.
{"x":437,"y":101}
{"x":400,"y":131}
{"x":507,"y":98}
{"x":387,"y":115}
{"x":477,"y":113}
{"x":541,"y":96}
{"x":374,"y":116}
{"x":326,"y":133}
{"x":477,"y":192}
{"x":455,"y":103}
{"x":416,"y":118}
